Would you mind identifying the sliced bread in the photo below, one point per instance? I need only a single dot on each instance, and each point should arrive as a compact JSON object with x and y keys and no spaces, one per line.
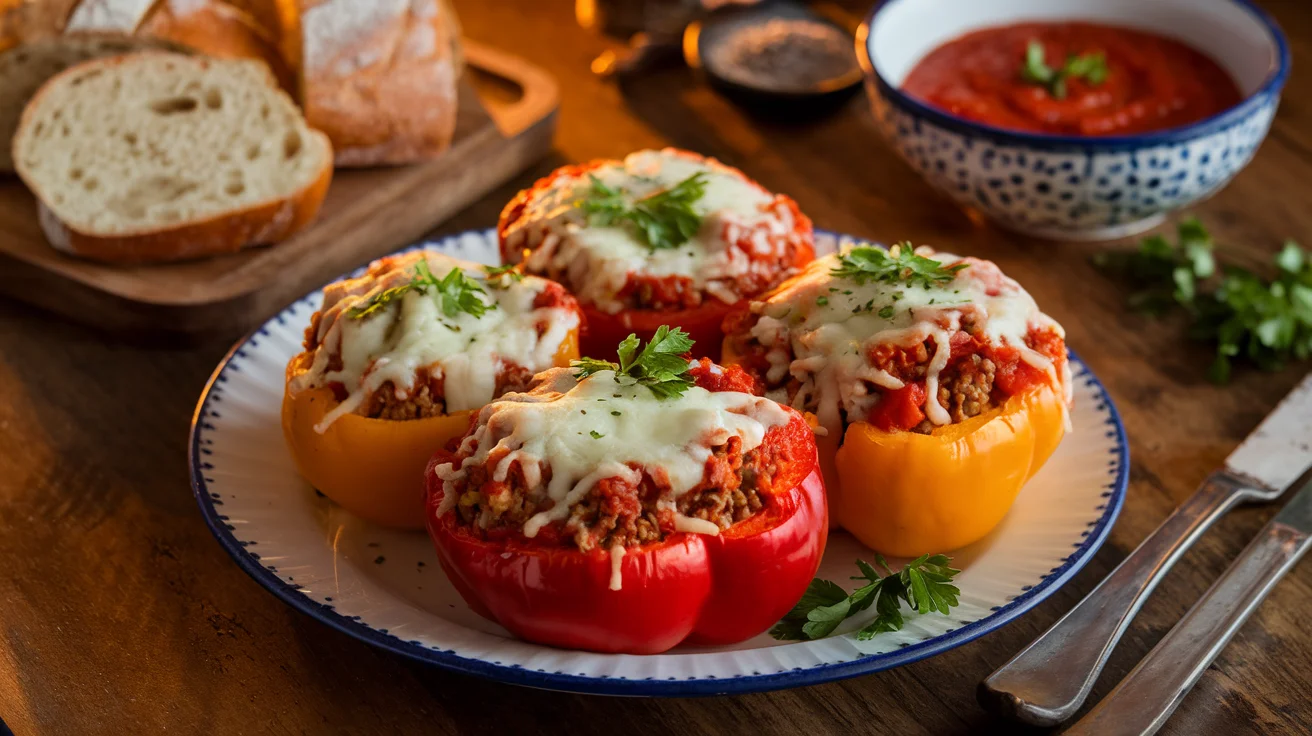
{"x":155,"y":156}
{"x":23,"y":69}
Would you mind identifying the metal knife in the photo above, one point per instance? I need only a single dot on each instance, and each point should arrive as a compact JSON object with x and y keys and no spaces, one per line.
{"x":1048,"y":681}
{"x":1154,"y":689}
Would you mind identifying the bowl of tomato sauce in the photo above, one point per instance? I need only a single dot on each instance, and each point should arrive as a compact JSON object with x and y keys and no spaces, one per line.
{"x":1069,"y":119}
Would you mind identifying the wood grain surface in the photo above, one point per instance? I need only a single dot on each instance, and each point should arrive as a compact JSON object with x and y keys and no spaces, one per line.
{"x":120,"y":614}
{"x":367,"y":212}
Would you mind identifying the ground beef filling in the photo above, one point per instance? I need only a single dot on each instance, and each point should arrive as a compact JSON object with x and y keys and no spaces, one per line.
{"x":733,"y":489}
{"x":967,"y":386}
{"x":427,"y":398}
{"x":966,"y":390}
{"x":643,"y":291}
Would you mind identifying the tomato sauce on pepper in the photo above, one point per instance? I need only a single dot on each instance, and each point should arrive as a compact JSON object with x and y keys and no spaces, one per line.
{"x":1152,"y":82}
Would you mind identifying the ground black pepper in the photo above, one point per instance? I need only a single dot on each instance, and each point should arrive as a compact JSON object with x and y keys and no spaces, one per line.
{"x":784,"y":55}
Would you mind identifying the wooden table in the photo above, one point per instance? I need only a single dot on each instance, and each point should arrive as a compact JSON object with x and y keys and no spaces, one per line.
{"x":120,"y":614}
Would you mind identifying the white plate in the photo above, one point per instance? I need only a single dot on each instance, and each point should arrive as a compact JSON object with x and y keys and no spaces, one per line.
{"x":386,"y":587}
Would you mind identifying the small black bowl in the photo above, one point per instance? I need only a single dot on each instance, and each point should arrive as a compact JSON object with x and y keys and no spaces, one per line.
{"x":701,"y":38}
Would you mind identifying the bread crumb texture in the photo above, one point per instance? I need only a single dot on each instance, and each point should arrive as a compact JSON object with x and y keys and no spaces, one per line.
{"x":146,"y":141}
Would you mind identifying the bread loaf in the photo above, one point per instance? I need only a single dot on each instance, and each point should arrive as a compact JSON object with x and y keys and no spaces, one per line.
{"x":158,"y":156}
{"x":220,"y":30}
{"x":380,"y":77}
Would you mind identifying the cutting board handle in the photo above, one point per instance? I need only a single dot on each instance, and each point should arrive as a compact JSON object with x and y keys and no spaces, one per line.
{"x":540,"y":93}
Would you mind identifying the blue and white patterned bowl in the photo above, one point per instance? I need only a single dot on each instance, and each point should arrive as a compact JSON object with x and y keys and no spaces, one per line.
{"x":1071,"y":187}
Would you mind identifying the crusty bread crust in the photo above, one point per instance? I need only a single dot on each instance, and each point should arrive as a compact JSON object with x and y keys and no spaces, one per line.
{"x":384,"y":92}
{"x":262,"y":223}
{"x":219,"y":30}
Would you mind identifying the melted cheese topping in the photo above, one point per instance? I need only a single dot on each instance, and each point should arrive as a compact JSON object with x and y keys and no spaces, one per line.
{"x":411,"y":336}
{"x":820,"y":328}
{"x":584,"y":432}
{"x":596,"y":261}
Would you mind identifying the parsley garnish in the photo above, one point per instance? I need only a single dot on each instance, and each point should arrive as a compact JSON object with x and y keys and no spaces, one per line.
{"x":454,"y":293}
{"x":663,"y":219}
{"x":886,"y":312}
{"x":925,"y":584}
{"x":1091,"y":67}
{"x":822,"y":301}
{"x":899,"y":264}
{"x":595,"y":434}
{"x":498,"y":273}
{"x":1245,"y":315}
{"x":660,"y":366}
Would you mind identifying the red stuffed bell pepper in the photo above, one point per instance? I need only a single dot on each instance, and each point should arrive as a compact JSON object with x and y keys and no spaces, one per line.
{"x":660,"y":238}
{"x":611,"y":510}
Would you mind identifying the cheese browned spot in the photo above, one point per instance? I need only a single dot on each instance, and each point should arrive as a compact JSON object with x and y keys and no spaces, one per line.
{"x":819,"y":330}
{"x":745,"y":231}
{"x":411,"y":339}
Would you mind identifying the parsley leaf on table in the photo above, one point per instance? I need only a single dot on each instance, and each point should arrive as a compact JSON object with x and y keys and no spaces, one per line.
{"x":453,"y":293}
{"x":1164,"y":275}
{"x":1245,"y":315}
{"x":924,"y":584}
{"x":1091,"y":67}
{"x":660,"y":365}
{"x":898,"y":264}
{"x":663,"y":219}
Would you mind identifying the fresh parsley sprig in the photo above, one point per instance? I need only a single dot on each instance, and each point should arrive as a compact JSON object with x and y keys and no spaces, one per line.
{"x":660,"y":365}
{"x":1091,"y":67}
{"x":663,"y":219}
{"x":925,"y":584}
{"x":1267,"y":321}
{"x":500,"y":277}
{"x":453,"y":293}
{"x":899,"y":264}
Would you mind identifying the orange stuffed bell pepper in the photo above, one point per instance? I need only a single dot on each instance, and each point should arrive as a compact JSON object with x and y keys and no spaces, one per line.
{"x":398,"y":360}
{"x":721,"y":238}
{"x":938,"y":387}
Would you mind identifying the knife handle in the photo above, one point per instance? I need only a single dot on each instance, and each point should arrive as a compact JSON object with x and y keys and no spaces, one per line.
{"x":1048,"y":681}
{"x":1153,"y":690}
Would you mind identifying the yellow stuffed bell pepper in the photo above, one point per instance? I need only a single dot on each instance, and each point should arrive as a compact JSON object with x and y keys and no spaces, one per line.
{"x":869,"y":320}
{"x":905,"y":494}
{"x":371,"y":467}
{"x":410,"y":318}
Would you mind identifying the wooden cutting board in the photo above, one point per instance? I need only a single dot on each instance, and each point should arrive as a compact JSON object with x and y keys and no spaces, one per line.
{"x":368,"y":212}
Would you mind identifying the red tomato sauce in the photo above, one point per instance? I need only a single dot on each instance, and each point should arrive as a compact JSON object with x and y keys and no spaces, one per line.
{"x":1152,"y":82}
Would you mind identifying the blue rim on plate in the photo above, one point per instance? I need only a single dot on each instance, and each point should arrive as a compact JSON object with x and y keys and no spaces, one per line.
{"x":826,"y":672}
{"x":1218,"y":122}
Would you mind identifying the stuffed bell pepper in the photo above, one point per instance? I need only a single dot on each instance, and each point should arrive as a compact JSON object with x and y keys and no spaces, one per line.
{"x":398,"y":360}
{"x":632,"y":506}
{"x":938,"y":385}
{"x":662,"y":237}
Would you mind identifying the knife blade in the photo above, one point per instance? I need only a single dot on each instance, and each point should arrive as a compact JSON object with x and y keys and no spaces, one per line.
{"x":1048,"y":681}
{"x":1280,"y":449}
